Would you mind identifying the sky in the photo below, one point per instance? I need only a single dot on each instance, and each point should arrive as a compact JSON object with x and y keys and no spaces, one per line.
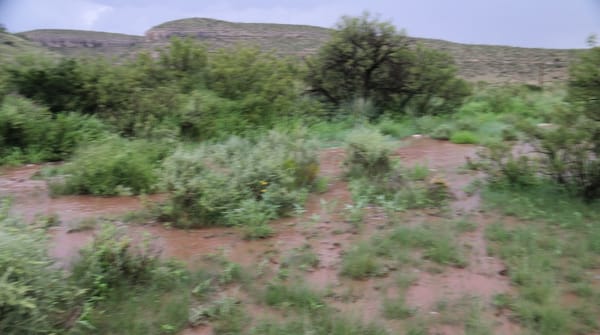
{"x":525,"y":23}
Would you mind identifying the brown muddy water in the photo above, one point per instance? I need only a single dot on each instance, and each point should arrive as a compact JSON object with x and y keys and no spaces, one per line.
{"x":322,"y":228}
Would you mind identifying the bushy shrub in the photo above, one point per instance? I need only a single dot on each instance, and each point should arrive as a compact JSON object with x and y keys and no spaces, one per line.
{"x":504,"y":168}
{"x":35,"y":296}
{"x":30,"y":133}
{"x":361,"y":262}
{"x":253,"y":216}
{"x":375,"y":178}
{"x":111,"y":167}
{"x":207,"y":183}
{"x":464,"y":137}
{"x":367,"y":153}
{"x":443,"y":132}
{"x":394,"y":128}
{"x":113,"y":260}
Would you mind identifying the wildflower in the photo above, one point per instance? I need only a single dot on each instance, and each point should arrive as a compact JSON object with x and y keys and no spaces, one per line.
{"x":262,"y":182}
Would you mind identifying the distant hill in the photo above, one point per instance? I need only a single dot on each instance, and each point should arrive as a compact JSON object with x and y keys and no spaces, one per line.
{"x":12,"y":45}
{"x":83,"y":42}
{"x":476,"y":62}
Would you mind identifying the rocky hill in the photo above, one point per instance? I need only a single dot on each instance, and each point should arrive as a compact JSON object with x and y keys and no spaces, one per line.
{"x":82,"y":42}
{"x":476,"y":62}
{"x":13,"y":45}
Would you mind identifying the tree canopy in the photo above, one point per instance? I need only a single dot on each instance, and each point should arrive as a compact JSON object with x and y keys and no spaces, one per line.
{"x":368,"y":59}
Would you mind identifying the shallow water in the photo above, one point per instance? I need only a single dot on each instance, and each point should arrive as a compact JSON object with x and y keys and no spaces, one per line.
{"x":322,"y":228}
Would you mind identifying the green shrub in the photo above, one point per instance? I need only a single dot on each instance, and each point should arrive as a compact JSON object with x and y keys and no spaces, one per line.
{"x":36,"y":297}
{"x":71,"y":130}
{"x":29,"y":133}
{"x":361,"y":262}
{"x":322,"y":323}
{"x":252,"y":216}
{"x":396,"y":309}
{"x":367,"y":153}
{"x":394,"y":129}
{"x":113,"y":260}
{"x":402,"y":189}
{"x":226,"y":313}
{"x":418,"y":172}
{"x":464,"y":137}
{"x":503,"y":168}
{"x":443,"y":132}
{"x":299,"y":297}
{"x":240,"y":180}
{"x":111,"y":167}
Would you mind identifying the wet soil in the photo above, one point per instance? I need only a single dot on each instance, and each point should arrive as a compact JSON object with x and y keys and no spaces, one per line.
{"x":30,"y":198}
{"x":322,"y":228}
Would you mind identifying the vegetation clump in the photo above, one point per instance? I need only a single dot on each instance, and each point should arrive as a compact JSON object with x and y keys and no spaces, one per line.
{"x":114,"y":166}
{"x":240,"y":182}
{"x":35,"y":296}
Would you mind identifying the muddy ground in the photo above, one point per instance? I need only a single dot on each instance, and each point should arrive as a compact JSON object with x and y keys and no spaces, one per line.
{"x":322,"y":228}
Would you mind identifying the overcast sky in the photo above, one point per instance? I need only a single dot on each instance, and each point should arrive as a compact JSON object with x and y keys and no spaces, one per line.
{"x":527,"y":23}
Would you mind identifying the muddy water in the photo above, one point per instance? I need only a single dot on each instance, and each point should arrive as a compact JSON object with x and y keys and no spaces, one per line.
{"x":31,"y":198}
{"x":322,"y":227}
{"x":481,"y":278}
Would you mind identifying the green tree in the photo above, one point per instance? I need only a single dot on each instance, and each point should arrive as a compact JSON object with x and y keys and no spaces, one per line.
{"x":368,"y":59}
{"x":434,"y":86}
{"x":262,"y":84}
{"x":584,"y":83}
{"x":184,"y":61}
{"x":57,"y":85}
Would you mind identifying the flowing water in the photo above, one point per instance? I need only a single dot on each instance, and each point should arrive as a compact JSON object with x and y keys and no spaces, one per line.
{"x":322,"y":228}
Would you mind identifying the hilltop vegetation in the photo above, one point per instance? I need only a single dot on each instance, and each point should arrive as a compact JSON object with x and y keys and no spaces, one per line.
{"x":498,"y":64}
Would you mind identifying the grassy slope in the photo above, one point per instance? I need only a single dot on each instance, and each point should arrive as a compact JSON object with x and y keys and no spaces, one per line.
{"x":476,"y":62}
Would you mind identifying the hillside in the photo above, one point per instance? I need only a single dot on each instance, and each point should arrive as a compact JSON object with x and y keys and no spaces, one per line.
{"x":81,"y":42}
{"x":476,"y":62}
{"x":13,"y":45}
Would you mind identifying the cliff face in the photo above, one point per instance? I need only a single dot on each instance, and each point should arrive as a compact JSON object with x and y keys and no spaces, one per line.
{"x":490,"y":63}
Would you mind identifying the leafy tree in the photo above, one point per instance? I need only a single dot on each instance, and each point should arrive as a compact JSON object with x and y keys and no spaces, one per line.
{"x":434,"y":85}
{"x":262,"y":84}
{"x":369,"y":60}
{"x":56,"y":85}
{"x":570,"y":151}
{"x":184,"y":61}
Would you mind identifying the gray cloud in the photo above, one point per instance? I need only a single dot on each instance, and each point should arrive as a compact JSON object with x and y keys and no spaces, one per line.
{"x":549,"y":23}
